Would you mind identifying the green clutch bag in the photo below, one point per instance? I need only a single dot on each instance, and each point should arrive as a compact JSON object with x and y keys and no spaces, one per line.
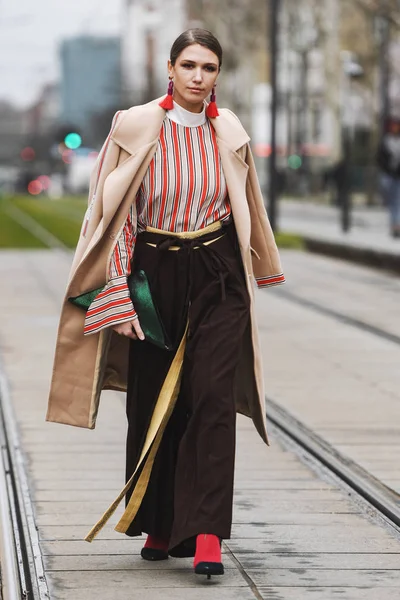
{"x":145,"y":307}
{"x":85,"y":300}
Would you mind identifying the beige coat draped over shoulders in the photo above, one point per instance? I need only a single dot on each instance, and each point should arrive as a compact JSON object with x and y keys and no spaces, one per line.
{"x":85,"y":365}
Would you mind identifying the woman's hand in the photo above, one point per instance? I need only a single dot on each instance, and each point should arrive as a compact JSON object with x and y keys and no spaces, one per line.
{"x":130,"y":329}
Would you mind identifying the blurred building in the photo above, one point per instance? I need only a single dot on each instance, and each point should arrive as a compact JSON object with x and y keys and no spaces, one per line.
{"x":395,"y":82}
{"x":150,"y":27}
{"x":13,"y":131}
{"x":241,"y":28}
{"x":44,"y":114}
{"x":309,"y":104}
{"x":90,"y":78}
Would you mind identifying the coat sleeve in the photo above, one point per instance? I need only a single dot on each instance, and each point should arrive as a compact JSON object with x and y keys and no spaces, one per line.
{"x":113,"y":305}
{"x":265,"y":256}
{"x":97,"y":172}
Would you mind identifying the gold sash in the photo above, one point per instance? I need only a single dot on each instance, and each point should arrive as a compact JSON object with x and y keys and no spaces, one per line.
{"x":164,"y":407}
{"x":162,"y":411}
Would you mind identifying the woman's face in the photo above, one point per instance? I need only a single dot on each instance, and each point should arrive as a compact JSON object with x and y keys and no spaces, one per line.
{"x":194,"y":73}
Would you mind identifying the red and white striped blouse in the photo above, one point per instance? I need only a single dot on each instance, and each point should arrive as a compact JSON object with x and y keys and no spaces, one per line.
{"x":184,"y":189}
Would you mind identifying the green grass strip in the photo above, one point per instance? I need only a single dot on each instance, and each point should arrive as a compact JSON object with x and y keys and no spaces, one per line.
{"x":290,"y":241}
{"x":62,"y":218}
{"x":12,"y":234}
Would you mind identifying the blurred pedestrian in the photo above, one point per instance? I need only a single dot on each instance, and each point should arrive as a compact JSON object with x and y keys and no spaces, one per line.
{"x":175,"y":200}
{"x":389,"y":163}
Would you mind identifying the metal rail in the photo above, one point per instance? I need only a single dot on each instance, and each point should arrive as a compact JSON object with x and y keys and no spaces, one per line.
{"x":9,"y":568}
{"x":339,"y":316}
{"x":20,"y":556}
{"x":371,"y":489}
{"x":381,"y":497}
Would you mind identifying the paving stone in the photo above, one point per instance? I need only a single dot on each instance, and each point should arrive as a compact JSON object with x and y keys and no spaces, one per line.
{"x":213,"y":591}
{"x":329,"y":593}
{"x":287,"y":540}
{"x":63,"y":531}
{"x":99,"y":491}
{"x":140,"y":579}
{"x":326,"y":578}
{"x":120,"y":562}
{"x":327,"y":560}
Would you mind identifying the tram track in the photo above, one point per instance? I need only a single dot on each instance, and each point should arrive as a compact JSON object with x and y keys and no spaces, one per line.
{"x":383,"y":499}
{"x":339,"y":316}
{"x":22,"y":571}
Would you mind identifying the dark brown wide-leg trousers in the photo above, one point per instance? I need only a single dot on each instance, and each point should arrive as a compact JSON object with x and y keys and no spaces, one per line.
{"x":191,"y":486}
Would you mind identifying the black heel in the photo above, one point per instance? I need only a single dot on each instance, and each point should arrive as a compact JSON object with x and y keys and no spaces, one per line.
{"x":153,"y":554}
{"x":209,"y":568}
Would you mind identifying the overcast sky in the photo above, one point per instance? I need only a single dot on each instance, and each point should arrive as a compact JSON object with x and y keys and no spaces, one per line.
{"x":30,"y":31}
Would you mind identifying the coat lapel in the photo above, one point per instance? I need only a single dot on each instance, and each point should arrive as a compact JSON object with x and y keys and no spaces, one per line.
{"x":126,"y":174}
{"x":231,"y":137}
{"x":229,"y":129}
{"x":139,"y":126}
{"x":235,"y":171}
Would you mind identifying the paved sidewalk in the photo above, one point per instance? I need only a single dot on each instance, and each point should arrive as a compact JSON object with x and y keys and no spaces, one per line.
{"x":368,"y":240}
{"x":296,"y":533}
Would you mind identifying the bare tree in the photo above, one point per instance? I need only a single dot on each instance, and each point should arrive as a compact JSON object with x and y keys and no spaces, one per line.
{"x":241,"y":28}
{"x":377,"y":23}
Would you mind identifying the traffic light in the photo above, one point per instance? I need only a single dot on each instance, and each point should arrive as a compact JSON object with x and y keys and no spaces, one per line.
{"x":69,"y":135}
{"x":73,"y":140}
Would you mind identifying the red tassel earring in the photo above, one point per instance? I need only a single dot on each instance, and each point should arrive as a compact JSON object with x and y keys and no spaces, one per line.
{"x":212,"y":109}
{"x":168,"y":103}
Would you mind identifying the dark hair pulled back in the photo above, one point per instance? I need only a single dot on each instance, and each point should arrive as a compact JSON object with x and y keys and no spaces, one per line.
{"x":195,"y":36}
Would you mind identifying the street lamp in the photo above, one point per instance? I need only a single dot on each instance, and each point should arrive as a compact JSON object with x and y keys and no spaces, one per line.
{"x":382,"y":33}
{"x":351,"y":70}
{"x":274,"y":36}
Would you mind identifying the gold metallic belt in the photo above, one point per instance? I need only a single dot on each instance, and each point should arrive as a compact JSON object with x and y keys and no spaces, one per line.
{"x":188,"y":235}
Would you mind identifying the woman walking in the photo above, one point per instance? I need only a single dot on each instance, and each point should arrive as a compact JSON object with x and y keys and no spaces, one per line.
{"x":389,"y":163}
{"x":174,"y":199}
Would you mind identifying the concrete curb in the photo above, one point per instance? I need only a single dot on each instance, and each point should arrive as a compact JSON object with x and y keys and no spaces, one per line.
{"x":371,"y":257}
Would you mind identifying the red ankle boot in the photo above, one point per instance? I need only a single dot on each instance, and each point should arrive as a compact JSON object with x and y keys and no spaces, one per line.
{"x":154,"y":549}
{"x":207,"y":560}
